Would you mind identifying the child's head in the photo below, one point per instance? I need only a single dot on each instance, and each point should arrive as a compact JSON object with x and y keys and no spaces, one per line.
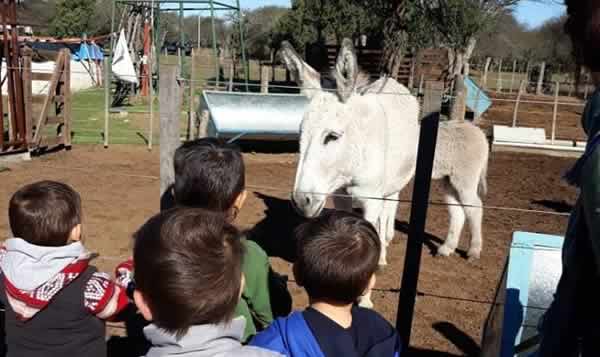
{"x":188,"y":269}
{"x":209,"y":174}
{"x":338,"y":255}
{"x":46,"y":213}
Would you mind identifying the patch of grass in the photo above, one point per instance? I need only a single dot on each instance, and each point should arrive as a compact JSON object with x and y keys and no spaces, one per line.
{"x":88,"y":121}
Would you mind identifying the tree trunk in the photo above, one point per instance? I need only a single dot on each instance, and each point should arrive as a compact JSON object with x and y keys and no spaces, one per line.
{"x":459,"y":105}
{"x":467,"y":56}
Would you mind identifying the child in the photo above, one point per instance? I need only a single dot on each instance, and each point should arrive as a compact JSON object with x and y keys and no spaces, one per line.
{"x":338,"y":255}
{"x":188,"y":274}
{"x":55,"y":301}
{"x":210,"y":174}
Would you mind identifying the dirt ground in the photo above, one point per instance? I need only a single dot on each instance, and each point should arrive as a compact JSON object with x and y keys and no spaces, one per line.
{"x":537,"y":115}
{"x":120,"y":190}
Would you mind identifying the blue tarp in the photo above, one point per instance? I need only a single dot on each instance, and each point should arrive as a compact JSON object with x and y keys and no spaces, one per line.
{"x":477,"y":100}
{"x":88,"y":52}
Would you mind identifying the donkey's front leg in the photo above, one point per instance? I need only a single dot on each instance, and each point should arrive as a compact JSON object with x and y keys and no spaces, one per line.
{"x":373,"y":210}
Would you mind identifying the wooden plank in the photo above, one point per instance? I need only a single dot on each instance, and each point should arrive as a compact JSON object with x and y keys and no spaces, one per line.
{"x":169,"y":98}
{"x":51,"y":90}
{"x":27,"y":96}
{"x":54,"y":119}
{"x":65,"y":96}
{"x":41,"y":76}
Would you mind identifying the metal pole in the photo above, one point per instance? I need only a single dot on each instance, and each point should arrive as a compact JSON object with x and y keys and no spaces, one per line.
{"x":150,"y":80}
{"x":243,"y":45}
{"x":181,"y":40}
{"x":418,"y":215}
{"x":107,"y":69}
{"x":108,"y":76}
{"x":199,"y":29}
{"x":214,"y":42}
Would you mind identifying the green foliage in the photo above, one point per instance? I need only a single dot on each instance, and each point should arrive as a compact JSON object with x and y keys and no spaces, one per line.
{"x":72,"y":18}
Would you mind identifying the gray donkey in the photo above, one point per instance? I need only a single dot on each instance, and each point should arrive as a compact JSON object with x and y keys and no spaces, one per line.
{"x":362,"y":138}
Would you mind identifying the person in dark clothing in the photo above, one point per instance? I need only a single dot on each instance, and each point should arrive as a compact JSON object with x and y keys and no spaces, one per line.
{"x":55,"y":301}
{"x":570,"y":327}
{"x":338,"y":255}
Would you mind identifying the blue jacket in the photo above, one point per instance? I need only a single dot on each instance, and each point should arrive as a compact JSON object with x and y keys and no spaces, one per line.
{"x":292,"y":337}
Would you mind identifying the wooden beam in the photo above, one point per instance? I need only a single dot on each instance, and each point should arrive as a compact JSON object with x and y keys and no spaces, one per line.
{"x":170,"y":106}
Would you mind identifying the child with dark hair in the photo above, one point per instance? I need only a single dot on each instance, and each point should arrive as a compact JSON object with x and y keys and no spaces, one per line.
{"x":188,"y":272}
{"x":55,"y":301}
{"x":570,"y":327}
{"x":338,"y":256}
{"x":210,"y":174}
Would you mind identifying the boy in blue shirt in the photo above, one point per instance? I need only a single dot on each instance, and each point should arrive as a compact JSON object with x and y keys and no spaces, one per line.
{"x":337,"y":258}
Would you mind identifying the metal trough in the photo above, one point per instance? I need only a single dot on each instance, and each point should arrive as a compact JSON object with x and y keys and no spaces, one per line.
{"x":526,"y":291}
{"x":254,"y":116}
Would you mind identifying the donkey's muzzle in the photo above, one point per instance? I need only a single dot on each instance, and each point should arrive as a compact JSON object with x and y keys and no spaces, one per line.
{"x":307,"y":205}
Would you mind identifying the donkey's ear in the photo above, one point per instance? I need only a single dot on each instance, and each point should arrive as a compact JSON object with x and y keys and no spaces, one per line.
{"x":346,"y":70}
{"x":307,"y":78}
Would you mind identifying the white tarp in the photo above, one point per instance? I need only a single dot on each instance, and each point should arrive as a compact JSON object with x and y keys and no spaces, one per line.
{"x":122,"y":65}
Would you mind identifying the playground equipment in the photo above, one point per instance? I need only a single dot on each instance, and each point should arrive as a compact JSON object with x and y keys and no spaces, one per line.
{"x":264,"y":116}
{"x":526,"y":291}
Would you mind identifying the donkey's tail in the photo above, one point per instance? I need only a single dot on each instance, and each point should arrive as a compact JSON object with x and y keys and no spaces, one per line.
{"x":482,"y":187}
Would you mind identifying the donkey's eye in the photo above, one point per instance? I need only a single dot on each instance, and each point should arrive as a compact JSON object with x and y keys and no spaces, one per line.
{"x":331,"y":137}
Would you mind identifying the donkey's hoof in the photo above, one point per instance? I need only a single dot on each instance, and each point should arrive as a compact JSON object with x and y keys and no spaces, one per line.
{"x":444,"y":251}
{"x":474,"y":254}
{"x":365,"y":302}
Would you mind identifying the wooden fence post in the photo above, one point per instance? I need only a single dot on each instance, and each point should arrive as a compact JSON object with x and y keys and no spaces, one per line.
{"x":264,"y":79}
{"x":411,"y":77}
{"x":486,"y":68}
{"x":27,"y":96}
{"x":540,"y":81}
{"x":499,"y":79}
{"x":170,"y":107}
{"x":203,"y":125}
{"x":192,"y":102}
{"x":421,"y":82}
{"x":418,"y":216}
{"x":586,"y":86}
{"x":516,"y":109}
{"x":231,"y":75}
{"x":106,"y":99}
{"x":555,"y":112}
{"x":512,"y":77}
{"x":459,"y":106}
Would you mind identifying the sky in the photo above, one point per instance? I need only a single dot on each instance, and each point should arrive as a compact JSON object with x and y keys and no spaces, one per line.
{"x":532,"y":13}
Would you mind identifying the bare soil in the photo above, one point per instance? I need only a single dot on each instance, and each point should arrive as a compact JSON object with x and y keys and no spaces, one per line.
{"x":120,"y":191}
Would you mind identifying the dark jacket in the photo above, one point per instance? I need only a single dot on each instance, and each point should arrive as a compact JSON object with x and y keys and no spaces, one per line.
{"x":570,"y":326}
{"x":293,"y":337}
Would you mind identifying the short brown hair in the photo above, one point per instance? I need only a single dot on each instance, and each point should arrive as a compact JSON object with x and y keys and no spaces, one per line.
{"x":209,"y":173}
{"x":44,"y":213}
{"x":337,"y":255}
{"x":188,"y":266}
{"x":583,"y":26}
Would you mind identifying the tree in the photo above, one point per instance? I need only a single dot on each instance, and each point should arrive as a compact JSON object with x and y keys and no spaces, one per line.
{"x":459,"y":23}
{"x":72,"y":18}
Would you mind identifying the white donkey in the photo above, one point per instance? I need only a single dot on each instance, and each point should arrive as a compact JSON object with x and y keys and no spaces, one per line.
{"x":363,"y":139}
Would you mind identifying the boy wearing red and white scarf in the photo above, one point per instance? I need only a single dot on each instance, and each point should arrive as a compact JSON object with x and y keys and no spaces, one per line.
{"x":55,"y":301}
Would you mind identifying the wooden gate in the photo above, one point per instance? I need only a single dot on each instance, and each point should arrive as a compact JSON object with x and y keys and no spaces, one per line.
{"x":13,"y":127}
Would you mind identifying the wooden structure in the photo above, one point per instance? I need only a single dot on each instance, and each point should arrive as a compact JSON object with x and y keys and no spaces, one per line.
{"x":24,"y":127}
{"x":429,"y":64}
{"x":15,"y":126}
{"x":52,"y":124}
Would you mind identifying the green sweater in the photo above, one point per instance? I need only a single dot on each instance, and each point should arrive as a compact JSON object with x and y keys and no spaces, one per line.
{"x":255,"y":304}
